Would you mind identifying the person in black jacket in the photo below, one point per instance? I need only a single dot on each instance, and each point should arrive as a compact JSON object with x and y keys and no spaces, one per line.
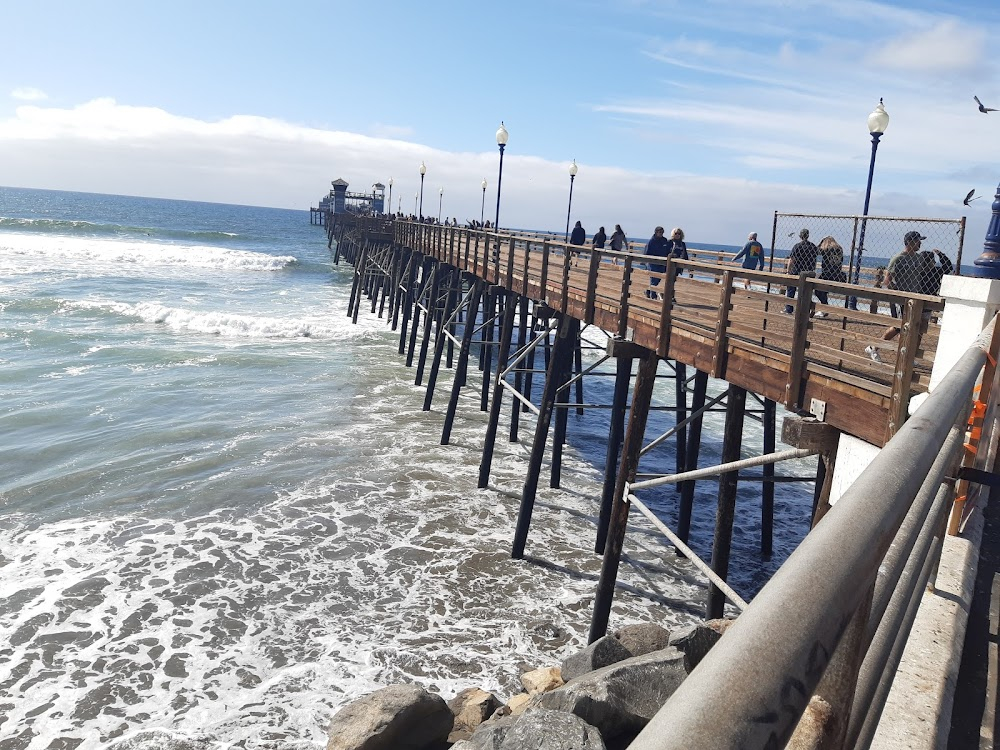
{"x":933,"y":273}
{"x":599,"y":239}
{"x":658,"y":246}
{"x":801,"y":260}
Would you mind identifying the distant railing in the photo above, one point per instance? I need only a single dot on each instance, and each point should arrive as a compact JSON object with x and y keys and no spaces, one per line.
{"x":834,"y":618}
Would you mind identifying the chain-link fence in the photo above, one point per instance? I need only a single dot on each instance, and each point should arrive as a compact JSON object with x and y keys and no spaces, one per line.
{"x":910,"y":255}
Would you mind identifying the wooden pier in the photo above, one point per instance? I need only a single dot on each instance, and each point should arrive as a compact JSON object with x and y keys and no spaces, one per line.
{"x":696,"y":314}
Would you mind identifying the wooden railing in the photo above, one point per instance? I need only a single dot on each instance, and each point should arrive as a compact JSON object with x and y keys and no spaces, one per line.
{"x":722,"y":319}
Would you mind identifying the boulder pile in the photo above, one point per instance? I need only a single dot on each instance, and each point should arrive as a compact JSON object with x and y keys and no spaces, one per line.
{"x":599,"y":698}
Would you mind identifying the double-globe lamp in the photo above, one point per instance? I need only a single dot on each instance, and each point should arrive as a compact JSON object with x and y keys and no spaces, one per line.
{"x":878,"y":121}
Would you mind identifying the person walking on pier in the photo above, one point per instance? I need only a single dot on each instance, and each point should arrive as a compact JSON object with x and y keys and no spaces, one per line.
{"x":619,"y":241}
{"x":659,"y":247}
{"x":677,"y":247}
{"x":577,"y":237}
{"x":752,"y":255}
{"x":831,"y":255}
{"x":599,"y":239}
{"x":801,"y":260}
{"x":906,"y":274}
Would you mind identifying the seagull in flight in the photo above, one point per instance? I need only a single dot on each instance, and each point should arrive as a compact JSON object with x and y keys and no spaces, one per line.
{"x":982,"y":108}
{"x":969,"y":198}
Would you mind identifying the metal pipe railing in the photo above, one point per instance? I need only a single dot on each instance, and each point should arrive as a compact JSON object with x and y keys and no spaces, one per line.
{"x":752,"y":687}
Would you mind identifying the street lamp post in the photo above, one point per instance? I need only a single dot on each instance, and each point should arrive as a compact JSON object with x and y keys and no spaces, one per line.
{"x":440,"y":201}
{"x":390,"y":196}
{"x":573,"y":169}
{"x":423,"y":171}
{"x":878,"y":121}
{"x":482,"y":209}
{"x":987,"y":265}
{"x":502,"y":143}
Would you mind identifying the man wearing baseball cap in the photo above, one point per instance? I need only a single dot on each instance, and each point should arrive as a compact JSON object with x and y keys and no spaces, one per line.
{"x":905,"y":274}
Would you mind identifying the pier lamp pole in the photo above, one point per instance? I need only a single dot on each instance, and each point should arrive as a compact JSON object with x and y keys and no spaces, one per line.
{"x":501,"y":142}
{"x":987,"y":265}
{"x":573,"y":169}
{"x":878,"y":121}
{"x":390,"y":196}
{"x":440,"y":201}
{"x":482,"y":209}
{"x":423,"y":171}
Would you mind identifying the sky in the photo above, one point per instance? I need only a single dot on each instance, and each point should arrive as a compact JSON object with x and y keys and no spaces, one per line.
{"x":708,"y":115}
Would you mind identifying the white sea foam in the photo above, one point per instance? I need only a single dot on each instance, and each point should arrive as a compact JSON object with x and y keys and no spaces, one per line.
{"x":23,"y":253}
{"x":233,"y":325}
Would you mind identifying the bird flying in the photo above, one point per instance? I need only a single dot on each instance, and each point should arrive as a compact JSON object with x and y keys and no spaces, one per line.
{"x":969,"y":198}
{"x":982,"y":108}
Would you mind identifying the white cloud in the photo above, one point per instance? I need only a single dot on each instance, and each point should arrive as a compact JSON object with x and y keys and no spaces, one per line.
{"x":947,"y":47}
{"x":28,"y":94}
{"x":102,"y":146}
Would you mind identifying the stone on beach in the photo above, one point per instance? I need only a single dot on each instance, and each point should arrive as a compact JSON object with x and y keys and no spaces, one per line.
{"x":600,"y":653}
{"x":471,"y":707}
{"x":643,"y":638}
{"x":536,"y":729}
{"x":397,"y":717}
{"x":622,"y":697}
{"x":542,"y":680}
{"x":696,"y":640}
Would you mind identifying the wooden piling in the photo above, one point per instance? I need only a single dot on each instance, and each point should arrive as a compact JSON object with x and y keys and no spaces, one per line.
{"x":641,"y":398}
{"x":463,"y":359}
{"x":722,"y":542}
{"x":767,"y":496}
{"x":503,"y":356}
{"x":433,"y":313}
{"x":561,"y":360}
{"x":616,"y":433}
{"x":522,"y":332}
{"x":693,"y":450}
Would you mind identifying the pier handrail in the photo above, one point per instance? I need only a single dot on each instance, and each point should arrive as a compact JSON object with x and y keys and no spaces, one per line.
{"x":755,"y":683}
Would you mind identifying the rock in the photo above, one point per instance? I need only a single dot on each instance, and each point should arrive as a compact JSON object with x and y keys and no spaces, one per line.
{"x":538,"y":729}
{"x":720,"y":625}
{"x":463,"y":745}
{"x":600,"y":653}
{"x":643,"y":639}
{"x":694,"y":642}
{"x":397,"y":717}
{"x":518,"y":704}
{"x":542,"y":680}
{"x":471,"y":708}
{"x":622,"y":697}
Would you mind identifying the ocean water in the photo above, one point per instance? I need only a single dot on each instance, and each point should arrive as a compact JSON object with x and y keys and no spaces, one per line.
{"x":224,"y":514}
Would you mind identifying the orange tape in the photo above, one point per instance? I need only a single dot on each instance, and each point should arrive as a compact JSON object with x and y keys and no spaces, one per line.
{"x":975,"y":433}
{"x":970,"y":449}
{"x":991,"y":359}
